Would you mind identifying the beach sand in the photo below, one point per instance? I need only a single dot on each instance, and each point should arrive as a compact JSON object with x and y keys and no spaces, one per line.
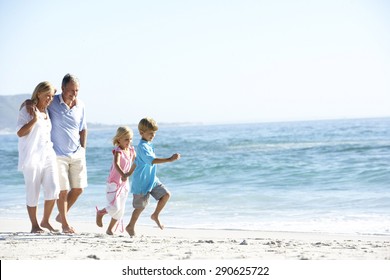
{"x":151,"y":243}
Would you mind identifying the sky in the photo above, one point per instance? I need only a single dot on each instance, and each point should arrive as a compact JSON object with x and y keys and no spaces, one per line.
{"x":203,"y":61}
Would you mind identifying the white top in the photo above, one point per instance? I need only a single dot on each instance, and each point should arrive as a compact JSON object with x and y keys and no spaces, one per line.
{"x":35,"y":146}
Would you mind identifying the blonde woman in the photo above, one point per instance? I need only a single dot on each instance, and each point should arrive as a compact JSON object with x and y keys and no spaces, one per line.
{"x":37,"y":159}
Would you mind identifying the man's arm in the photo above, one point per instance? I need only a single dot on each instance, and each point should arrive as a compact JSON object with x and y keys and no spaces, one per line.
{"x":83,"y":138}
{"x":30,"y":107}
{"x":26,"y":129}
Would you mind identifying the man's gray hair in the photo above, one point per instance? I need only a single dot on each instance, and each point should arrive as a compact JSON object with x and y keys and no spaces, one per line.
{"x":69,"y":78}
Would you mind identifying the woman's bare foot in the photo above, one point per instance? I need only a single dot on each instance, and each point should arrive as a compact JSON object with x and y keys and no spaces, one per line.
{"x":154,"y":217}
{"x":109,"y":232}
{"x":130,"y":231}
{"x":99,"y":217}
{"x":37,"y":229}
{"x":48,"y":226}
{"x":58,"y":218}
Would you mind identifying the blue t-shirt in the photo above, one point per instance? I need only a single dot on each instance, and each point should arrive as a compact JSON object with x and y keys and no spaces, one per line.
{"x":66,"y":125}
{"x":144,"y":176}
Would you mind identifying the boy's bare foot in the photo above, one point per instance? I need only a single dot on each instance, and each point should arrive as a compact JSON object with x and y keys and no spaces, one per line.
{"x":49,"y":227}
{"x":155,"y":218}
{"x":130,"y":231}
{"x":99,"y":217}
{"x":37,"y":229}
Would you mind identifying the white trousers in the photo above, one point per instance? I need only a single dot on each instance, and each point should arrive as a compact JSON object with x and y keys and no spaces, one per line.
{"x":45,"y":177}
{"x":116,"y":200}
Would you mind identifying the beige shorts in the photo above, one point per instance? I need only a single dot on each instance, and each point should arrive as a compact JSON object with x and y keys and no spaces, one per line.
{"x":72,"y":171}
{"x":140,"y":201}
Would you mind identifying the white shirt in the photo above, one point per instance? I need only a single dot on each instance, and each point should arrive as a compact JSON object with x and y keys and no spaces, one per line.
{"x":36,"y":145}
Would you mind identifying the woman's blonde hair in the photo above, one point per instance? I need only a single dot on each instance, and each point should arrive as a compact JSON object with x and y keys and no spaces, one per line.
{"x":121,"y":132}
{"x":42,"y":87}
{"x":147,"y":124}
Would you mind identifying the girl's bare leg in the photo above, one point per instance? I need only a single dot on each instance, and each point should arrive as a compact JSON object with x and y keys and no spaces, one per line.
{"x":99,"y":216}
{"x":110,"y":226}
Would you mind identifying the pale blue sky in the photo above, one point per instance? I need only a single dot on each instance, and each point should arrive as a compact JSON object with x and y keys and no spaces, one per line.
{"x":203,"y":60}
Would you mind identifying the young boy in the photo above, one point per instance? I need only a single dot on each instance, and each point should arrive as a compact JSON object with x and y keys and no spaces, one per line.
{"x":145,"y":181}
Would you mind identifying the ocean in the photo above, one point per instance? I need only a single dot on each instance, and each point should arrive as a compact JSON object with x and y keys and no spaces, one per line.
{"x":313,"y":176}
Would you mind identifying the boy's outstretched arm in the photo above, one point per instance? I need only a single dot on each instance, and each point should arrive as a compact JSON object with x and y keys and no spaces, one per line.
{"x":164,"y":160}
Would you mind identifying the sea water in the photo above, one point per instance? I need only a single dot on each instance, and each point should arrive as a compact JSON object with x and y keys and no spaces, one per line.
{"x":314,"y":176}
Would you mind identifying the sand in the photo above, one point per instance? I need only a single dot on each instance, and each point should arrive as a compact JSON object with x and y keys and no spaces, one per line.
{"x":91,"y":243}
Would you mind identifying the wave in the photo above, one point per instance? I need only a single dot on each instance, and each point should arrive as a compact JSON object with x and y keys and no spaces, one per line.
{"x":7,"y":131}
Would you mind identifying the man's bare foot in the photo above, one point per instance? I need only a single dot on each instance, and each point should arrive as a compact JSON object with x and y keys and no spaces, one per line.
{"x":130,"y":231}
{"x":37,"y":229}
{"x":58,"y":218}
{"x":155,"y":218}
{"x":99,"y":217}
{"x":49,"y":227}
{"x":68,"y":230}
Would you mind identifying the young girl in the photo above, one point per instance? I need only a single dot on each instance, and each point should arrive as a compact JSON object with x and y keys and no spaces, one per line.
{"x":117,"y":183}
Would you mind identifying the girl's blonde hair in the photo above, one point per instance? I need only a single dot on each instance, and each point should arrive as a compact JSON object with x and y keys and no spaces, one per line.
{"x":42,"y":87}
{"x":121,"y":132}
